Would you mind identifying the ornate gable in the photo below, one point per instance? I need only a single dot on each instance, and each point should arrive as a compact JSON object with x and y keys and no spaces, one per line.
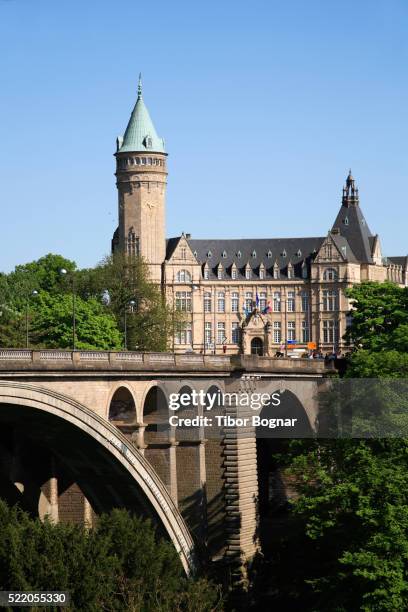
{"x":329,"y":252}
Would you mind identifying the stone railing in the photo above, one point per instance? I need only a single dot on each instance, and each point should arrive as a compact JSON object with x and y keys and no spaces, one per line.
{"x":21,"y":359}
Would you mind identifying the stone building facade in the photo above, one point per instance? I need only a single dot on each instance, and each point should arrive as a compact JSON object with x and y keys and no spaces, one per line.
{"x":247,"y":295}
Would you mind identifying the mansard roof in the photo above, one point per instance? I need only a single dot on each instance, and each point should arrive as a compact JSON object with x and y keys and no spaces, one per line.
{"x":140,"y":134}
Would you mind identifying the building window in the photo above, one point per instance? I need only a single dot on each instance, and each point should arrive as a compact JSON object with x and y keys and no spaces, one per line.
{"x":330,"y":274}
{"x":183,"y":334}
{"x":276,"y":273}
{"x":235,"y":333}
{"x":330,"y":332}
{"x":305,"y":331}
{"x":330,"y":300}
{"x":208,"y":334}
{"x":248,"y":273}
{"x":291,"y":330}
{"x":235,"y":301}
{"x":132,"y":244}
{"x":277,"y":334}
{"x":234,"y":273}
{"x":305,"y":301}
{"x":277,"y":301}
{"x":221,"y":302}
{"x":248,"y":301}
{"x":183,"y":253}
{"x":291,"y":301}
{"x":219,"y":273}
{"x":183,"y":276}
{"x":261,"y":273}
{"x":207,"y":302}
{"x":206,"y":274}
{"x":221,"y":339}
{"x":328,"y":252}
{"x":183,"y":301}
{"x":262,"y":300}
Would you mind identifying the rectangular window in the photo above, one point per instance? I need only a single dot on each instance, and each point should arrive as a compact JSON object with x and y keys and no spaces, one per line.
{"x":208,"y":334}
{"x":207,"y":302}
{"x":330,"y":300}
{"x":235,"y":333}
{"x":276,"y":301}
{"x":262,"y":300}
{"x":221,"y":302}
{"x":261,"y":274}
{"x":221,"y":333}
{"x":305,"y":301}
{"x":206,"y":274}
{"x":248,"y":301}
{"x":277,"y":335}
{"x":183,"y":334}
{"x":330,"y":332}
{"x":183,"y":301}
{"x":233,"y":273}
{"x":291,"y":301}
{"x":291,"y":330}
{"x":305,"y":331}
{"x":235,"y":301}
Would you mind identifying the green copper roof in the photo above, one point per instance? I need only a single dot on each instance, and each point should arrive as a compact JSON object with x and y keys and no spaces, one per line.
{"x":140,"y":134}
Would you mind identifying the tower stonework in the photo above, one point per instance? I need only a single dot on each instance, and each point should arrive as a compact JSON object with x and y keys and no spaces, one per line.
{"x":141,"y":173}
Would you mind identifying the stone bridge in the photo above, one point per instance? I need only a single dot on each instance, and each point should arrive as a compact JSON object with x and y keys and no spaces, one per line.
{"x":82,"y":432}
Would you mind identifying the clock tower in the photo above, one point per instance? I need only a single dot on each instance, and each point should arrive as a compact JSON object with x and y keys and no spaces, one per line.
{"x":141,"y":173}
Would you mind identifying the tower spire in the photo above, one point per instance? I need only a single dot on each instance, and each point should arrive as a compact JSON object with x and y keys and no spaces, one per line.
{"x":139,"y":87}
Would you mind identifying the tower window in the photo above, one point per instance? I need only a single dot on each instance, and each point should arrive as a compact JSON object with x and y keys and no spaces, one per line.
{"x":132,"y":243}
{"x":148,"y":142}
{"x":346,"y":221}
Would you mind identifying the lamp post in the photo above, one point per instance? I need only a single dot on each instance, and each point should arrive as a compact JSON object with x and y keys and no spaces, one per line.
{"x":64,"y":272}
{"x":33,"y":293}
{"x":131,"y":303}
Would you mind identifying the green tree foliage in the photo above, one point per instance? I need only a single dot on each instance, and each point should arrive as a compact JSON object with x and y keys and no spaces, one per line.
{"x":125,"y":282}
{"x":347,"y":548}
{"x":52,"y":323}
{"x":117,"y":285}
{"x":120,"y":565}
{"x":379,"y":331}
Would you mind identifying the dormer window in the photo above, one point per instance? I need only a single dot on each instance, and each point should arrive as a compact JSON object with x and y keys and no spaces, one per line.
{"x":219,"y":273}
{"x":195,"y":254}
{"x":290,"y":271}
{"x":233,"y":273}
{"x":206,"y":273}
{"x":253,"y":254}
{"x":224,"y":254}
{"x":284,"y":253}
{"x":248,"y":273}
{"x":209,"y":254}
{"x":304,"y":270}
{"x":239,"y":254}
{"x":276,"y":272}
{"x":269,"y":254}
{"x":148,"y":142}
{"x":261,"y":273}
{"x":299,"y":253}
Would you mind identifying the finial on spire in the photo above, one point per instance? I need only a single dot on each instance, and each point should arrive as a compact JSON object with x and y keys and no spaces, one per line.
{"x":139,"y":87}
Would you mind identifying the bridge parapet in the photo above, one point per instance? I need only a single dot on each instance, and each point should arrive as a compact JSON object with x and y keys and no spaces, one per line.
{"x":54,"y":359}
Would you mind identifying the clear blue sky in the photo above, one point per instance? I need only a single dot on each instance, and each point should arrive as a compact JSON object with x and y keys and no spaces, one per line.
{"x":264,"y":106}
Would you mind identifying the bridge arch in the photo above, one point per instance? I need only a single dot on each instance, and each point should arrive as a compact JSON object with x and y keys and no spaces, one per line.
{"x":129,"y":461}
{"x":121,"y":405}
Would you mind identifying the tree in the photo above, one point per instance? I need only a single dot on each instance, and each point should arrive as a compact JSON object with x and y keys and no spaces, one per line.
{"x":121,"y":564}
{"x":52,"y":323}
{"x":351,"y":517}
{"x":125,"y":282}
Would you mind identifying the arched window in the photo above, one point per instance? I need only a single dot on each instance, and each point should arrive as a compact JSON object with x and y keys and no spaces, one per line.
{"x":183,"y":276}
{"x":330,"y":274}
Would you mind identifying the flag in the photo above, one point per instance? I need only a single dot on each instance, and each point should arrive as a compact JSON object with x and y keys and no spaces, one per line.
{"x":257,"y":300}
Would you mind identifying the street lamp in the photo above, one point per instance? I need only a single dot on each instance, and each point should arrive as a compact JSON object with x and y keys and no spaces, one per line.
{"x":64,"y":272}
{"x":131,"y":303}
{"x":33,"y":293}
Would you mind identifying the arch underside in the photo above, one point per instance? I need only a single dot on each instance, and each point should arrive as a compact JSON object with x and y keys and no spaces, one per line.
{"x":109,"y":470}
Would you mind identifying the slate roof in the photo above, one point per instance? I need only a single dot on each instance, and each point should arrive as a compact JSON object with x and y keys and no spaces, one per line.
{"x":352,"y":225}
{"x":283,"y":251}
{"x":399,"y":261}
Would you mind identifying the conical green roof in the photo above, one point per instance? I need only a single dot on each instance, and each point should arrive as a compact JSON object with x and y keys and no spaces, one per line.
{"x":140,"y":133}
